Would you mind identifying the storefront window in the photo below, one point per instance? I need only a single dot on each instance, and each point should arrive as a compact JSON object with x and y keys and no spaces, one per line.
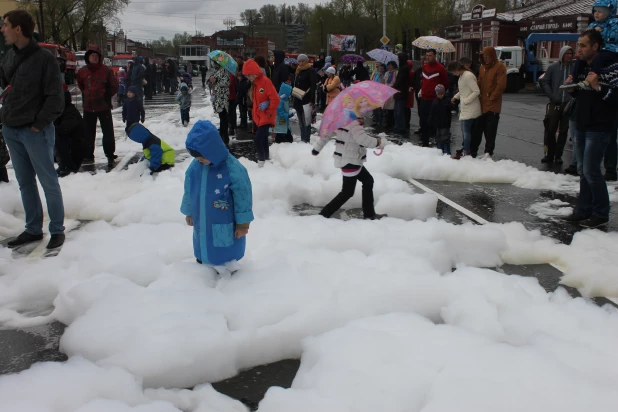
{"x":487,"y":43}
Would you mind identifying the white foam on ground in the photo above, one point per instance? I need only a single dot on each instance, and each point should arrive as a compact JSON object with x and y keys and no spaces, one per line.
{"x":374,"y":308}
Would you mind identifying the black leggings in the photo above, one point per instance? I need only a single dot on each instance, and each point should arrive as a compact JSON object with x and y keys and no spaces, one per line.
{"x":347,"y":191}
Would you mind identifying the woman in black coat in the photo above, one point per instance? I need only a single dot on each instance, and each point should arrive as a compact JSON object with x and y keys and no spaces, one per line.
{"x":70,"y":134}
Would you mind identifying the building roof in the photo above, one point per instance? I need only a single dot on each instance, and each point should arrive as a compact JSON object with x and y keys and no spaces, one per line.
{"x":548,"y":8}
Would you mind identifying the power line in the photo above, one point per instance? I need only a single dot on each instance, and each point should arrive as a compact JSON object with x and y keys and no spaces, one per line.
{"x":192,"y":16}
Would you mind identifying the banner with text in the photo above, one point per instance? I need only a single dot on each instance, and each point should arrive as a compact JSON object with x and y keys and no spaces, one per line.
{"x":342,"y":42}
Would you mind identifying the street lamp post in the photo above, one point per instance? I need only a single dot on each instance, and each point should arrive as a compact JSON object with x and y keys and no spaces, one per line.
{"x":322,"y":33}
{"x":384,"y":18}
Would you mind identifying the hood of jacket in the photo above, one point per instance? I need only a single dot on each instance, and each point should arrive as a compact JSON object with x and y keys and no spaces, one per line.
{"x":279,"y":57}
{"x":563,"y":50}
{"x":138,"y":133}
{"x":205,"y":139}
{"x":251,"y":67}
{"x":606,"y":3}
{"x":489,"y":56}
{"x":93,"y":49}
{"x":285,"y":91}
{"x":184,"y":86}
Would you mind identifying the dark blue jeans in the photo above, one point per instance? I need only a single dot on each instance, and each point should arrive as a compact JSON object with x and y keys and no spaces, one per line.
{"x":466,"y":132}
{"x":610,"y":160}
{"x":184,"y":115}
{"x":261,"y":143}
{"x":32,"y":155}
{"x":593,"y":196}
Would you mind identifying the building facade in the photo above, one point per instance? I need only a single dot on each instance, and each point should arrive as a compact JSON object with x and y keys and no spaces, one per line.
{"x":482,"y":27}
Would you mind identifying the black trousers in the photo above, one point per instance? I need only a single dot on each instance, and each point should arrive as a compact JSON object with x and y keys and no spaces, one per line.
{"x":284,"y":137}
{"x":4,"y":174}
{"x":408,"y":113}
{"x":557,"y":121}
{"x":107,"y":126}
{"x":426,"y":130}
{"x":242,"y":110}
{"x":486,"y":124}
{"x":347,"y":191}
{"x":231,"y":115}
{"x":223,"y":120}
{"x":261,"y":143}
{"x":204,"y":80}
{"x":148,"y":91}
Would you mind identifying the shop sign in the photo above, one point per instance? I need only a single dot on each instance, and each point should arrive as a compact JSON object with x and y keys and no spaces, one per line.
{"x":545,"y":27}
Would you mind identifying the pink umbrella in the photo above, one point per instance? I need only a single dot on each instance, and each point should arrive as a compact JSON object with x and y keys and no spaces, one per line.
{"x":354,"y":102}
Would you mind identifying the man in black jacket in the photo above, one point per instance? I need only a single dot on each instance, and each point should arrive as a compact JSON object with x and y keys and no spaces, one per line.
{"x":401,"y":85}
{"x":281,"y":71}
{"x":34,"y":101}
{"x":595,"y":119}
{"x":305,"y":80}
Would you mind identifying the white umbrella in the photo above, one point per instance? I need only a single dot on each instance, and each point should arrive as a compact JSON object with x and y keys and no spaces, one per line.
{"x":434,"y":42}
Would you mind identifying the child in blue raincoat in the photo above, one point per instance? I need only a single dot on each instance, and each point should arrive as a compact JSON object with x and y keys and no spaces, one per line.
{"x":217,"y":200}
{"x":282,"y":127}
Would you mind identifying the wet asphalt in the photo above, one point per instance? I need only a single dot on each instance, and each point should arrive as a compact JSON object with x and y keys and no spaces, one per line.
{"x":520,"y":138}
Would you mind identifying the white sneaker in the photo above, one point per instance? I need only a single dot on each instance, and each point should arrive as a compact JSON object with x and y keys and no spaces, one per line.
{"x":261,"y":163}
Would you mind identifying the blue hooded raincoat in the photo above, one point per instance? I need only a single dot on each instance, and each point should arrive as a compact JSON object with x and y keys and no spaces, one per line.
{"x":218,"y":196}
{"x":609,"y":27}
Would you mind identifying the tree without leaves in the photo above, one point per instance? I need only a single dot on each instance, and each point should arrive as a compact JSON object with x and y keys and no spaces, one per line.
{"x":250,"y":17}
{"x":303,"y":13}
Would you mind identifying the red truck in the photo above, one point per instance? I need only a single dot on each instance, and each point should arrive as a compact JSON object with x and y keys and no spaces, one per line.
{"x":68,"y":56}
{"x":121,"y":60}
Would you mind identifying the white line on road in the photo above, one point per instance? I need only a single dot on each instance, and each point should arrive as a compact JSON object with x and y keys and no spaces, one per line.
{"x":124,"y":161}
{"x":474,"y":217}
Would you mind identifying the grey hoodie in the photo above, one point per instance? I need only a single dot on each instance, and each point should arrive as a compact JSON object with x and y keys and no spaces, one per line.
{"x":554,"y":77}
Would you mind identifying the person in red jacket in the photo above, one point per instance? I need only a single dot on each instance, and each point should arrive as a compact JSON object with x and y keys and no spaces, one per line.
{"x":410,"y":98}
{"x":231,"y":110}
{"x":433,"y":74}
{"x":265,"y":102}
{"x":98,"y":85}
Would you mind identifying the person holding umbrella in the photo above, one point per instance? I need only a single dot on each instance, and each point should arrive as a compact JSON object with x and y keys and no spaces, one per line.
{"x":344,"y":118}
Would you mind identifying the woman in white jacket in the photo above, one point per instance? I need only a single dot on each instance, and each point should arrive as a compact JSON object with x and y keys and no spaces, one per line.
{"x":350,"y":154}
{"x":470,"y":105}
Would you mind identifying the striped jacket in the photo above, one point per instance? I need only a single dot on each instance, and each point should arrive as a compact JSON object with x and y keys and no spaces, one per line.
{"x":351,"y":145}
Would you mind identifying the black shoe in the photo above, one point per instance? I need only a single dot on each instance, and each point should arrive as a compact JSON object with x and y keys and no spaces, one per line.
{"x":231,"y":132}
{"x":88,"y":160}
{"x":56,"y":240}
{"x":63,"y":172}
{"x":575,"y":218}
{"x":571,"y":170}
{"x":24,"y":238}
{"x":558,"y":161}
{"x":419,"y":131}
{"x":375,"y":217}
{"x":547,"y":160}
{"x":594,"y":221}
{"x":610,"y":177}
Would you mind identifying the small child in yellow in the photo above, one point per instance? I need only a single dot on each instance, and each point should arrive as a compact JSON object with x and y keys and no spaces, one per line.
{"x":160,"y":155}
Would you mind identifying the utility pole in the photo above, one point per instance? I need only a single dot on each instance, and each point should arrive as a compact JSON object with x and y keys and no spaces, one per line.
{"x":42,"y":28}
{"x":196,"y":24}
{"x":384,"y":18}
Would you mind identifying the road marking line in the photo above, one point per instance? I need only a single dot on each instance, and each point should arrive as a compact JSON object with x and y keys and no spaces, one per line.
{"x":449,"y":202}
{"x":123,"y":162}
{"x":38,"y":252}
{"x":476,"y":218}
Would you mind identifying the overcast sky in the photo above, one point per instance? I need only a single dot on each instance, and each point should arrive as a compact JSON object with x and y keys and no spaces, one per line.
{"x":146,"y":20}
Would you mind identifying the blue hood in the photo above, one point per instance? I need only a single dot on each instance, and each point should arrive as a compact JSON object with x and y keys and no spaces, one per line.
{"x":204,"y":138}
{"x":138,"y":133}
{"x":606,"y":3}
{"x":285,"y":90}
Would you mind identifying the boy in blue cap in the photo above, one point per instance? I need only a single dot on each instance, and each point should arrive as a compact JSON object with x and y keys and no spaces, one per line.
{"x":217,"y":199}
{"x":132,"y":109}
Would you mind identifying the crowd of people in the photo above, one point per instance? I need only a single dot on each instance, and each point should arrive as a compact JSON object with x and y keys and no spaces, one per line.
{"x":39,"y":121}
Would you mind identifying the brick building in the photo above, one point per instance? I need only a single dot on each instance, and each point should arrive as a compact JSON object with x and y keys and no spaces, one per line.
{"x":235,"y":42}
